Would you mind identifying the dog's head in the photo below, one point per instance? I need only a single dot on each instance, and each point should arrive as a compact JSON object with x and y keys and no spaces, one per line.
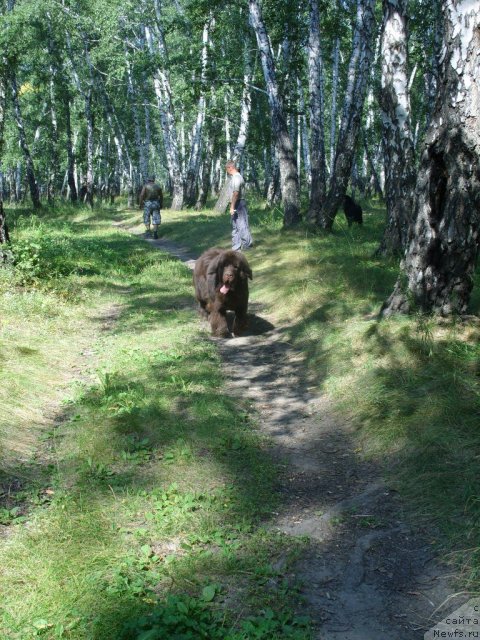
{"x":229,"y":270}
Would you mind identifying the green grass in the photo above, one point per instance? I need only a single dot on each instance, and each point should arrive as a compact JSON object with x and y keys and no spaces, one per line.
{"x":410,"y":385}
{"x":135,"y":496}
{"x":137,"y":477}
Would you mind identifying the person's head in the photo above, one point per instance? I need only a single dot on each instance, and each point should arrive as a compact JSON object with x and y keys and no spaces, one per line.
{"x":151,"y":179}
{"x":231,"y":167}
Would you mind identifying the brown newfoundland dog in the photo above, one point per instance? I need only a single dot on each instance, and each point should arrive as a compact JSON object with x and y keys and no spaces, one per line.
{"x":220,"y":279}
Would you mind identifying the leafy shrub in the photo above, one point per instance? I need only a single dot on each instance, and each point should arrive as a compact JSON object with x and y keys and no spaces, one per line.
{"x":181,"y":618}
{"x":43,"y":258}
{"x":185,"y":618}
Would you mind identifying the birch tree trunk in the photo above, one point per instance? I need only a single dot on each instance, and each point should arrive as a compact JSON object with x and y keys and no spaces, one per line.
{"x":147,"y":140}
{"x":90,"y":145}
{"x":196,"y":146}
{"x":239,"y":148}
{"x":273,"y":188}
{"x":3,"y":101}
{"x":87,"y":94}
{"x":163,"y":93}
{"x":167,"y":122}
{"x":62,"y":85}
{"x":70,"y":154}
{"x":228,"y":137}
{"x":374,"y":181}
{"x":206,"y":175}
{"x":120,"y":142}
{"x":32,"y":183}
{"x":303,"y":143}
{"x":18,"y":182}
{"x":397,"y":133}
{"x":3,"y":227}
{"x":116,"y":127}
{"x":358,"y":74}
{"x":317,"y":141}
{"x":54,"y":86}
{"x":438,"y":267}
{"x":12,"y":186}
{"x":54,"y":163}
{"x":431,"y":77}
{"x":286,"y":155}
{"x":142,"y":174}
{"x":333,"y":110}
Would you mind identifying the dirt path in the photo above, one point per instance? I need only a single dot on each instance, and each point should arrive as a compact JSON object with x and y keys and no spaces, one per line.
{"x":367,"y":574}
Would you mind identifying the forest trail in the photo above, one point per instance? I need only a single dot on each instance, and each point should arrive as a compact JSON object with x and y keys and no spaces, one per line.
{"x":367,"y":572}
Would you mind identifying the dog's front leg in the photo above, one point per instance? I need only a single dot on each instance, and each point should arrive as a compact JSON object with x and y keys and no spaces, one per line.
{"x":218,"y":322}
{"x":240,"y":322}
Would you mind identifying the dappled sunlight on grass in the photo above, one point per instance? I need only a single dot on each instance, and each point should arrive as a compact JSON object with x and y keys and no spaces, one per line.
{"x":151,"y":480}
{"x":140,"y":477}
{"x":409,"y":384}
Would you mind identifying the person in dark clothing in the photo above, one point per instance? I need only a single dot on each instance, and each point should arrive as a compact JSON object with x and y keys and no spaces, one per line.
{"x":151,"y":199}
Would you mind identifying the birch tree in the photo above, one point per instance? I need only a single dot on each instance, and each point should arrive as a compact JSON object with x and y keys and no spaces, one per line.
{"x":196,"y":146}
{"x":283,"y":143}
{"x":53,"y":87}
{"x":3,"y":102}
{"x":397,"y":134}
{"x":358,"y":74}
{"x":3,"y":228}
{"x":142,"y":174}
{"x":32,"y":182}
{"x":85,"y":89}
{"x":239,"y":148}
{"x":30,"y":170}
{"x":303,"y":141}
{"x":70,"y":152}
{"x":333,"y":108}
{"x":443,"y":242}
{"x":163,"y":92}
{"x":317,"y":137}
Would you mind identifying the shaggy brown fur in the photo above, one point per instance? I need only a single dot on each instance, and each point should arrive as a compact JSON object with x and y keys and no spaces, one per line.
{"x":220,"y":279}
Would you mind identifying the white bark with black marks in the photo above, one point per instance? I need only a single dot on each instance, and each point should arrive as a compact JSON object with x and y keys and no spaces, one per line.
{"x":396,"y":126}
{"x":163,"y":92}
{"x":3,"y":101}
{"x":86,"y":91}
{"x":443,"y":243}
{"x":246,"y":107}
{"x":318,"y":173}
{"x":286,"y":154}
{"x":205,"y":180}
{"x":4,"y":237}
{"x":32,"y":183}
{"x":333,"y":109}
{"x":196,"y":146}
{"x":73,"y":194}
{"x":358,"y":75}
{"x":133,"y":98}
{"x":54,"y":163}
{"x":303,"y":142}
{"x":114,"y":123}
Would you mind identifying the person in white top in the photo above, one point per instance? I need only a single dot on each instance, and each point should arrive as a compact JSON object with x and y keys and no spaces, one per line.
{"x":241,"y":236}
